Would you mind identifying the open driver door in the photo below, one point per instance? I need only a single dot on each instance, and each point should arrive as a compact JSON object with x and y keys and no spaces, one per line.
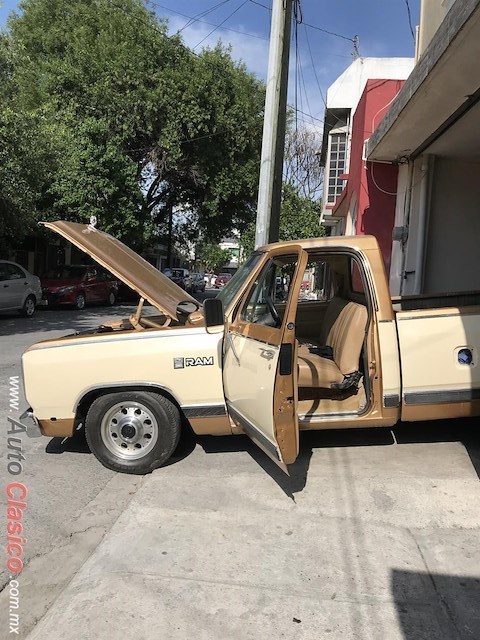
{"x":260,"y":357}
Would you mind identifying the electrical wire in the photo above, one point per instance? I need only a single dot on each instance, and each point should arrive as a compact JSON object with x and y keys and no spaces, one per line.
{"x":409,"y":13}
{"x":313,"y":66}
{"x":330,"y":33}
{"x":221,"y":23}
{"x":312,"y":26}
{"x":202,"y":14}
{"x":210,"y":24}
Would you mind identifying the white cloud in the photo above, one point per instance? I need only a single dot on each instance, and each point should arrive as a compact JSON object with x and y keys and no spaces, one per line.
{"x":252,"y":51}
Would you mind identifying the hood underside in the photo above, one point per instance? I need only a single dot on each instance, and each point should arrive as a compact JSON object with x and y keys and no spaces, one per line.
{"x":126,"y":265}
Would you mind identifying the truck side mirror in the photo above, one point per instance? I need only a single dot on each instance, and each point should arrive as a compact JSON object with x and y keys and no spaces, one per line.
{"x":213,"y":313}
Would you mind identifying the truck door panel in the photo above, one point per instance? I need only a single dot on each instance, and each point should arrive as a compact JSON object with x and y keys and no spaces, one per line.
{"x":259,"y":362}
{"x":440,"y":362}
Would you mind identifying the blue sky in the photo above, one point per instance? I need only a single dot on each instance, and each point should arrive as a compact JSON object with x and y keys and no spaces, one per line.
{"x":381,"y":25}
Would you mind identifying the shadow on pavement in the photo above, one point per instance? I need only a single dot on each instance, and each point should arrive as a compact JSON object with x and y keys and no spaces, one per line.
{"x":78,"y":444}
{"x":436,"y":606}
{"x":464,"y":431}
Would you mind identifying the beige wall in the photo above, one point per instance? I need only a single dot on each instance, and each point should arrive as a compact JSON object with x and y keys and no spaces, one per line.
{"x":452,"y":259}
{"x":432,"y":13}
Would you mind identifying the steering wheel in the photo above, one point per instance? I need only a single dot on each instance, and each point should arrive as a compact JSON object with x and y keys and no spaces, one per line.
{"x":273,"y":312}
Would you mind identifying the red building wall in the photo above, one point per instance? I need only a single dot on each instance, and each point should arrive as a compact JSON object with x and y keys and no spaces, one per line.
{"x":372,"y":184}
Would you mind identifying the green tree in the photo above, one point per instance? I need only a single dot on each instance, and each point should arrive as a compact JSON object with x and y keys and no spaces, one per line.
{"x":213,"y":257}
{"x":136,"y":123}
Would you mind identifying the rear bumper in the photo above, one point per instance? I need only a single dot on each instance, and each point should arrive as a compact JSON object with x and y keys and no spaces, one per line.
{"x":28,"y":420}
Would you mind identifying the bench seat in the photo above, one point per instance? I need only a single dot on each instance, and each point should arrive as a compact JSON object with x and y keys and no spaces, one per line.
{"x":344,"y":327}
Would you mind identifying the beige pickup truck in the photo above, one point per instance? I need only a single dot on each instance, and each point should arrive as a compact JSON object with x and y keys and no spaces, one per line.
{"x":304,"y":336}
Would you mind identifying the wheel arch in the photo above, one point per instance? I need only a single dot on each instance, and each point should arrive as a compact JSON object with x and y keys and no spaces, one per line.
{"x":88,"y":396}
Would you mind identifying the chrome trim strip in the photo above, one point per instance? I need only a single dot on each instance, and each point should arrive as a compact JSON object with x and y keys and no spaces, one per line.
{"x":437,"y":315}
{"x":442,"y":397}
{"x":255,"y":434}
{"x":308,"y":418}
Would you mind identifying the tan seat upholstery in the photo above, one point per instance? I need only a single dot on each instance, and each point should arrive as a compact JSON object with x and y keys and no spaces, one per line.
{"x":344,"y":331}
{"x":315,"y":371}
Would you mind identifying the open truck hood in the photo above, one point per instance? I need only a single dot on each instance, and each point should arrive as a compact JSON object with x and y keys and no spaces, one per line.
{"x":126,"y":265}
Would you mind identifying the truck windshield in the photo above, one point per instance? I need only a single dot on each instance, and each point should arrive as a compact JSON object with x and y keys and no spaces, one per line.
{"x":231,"y":289}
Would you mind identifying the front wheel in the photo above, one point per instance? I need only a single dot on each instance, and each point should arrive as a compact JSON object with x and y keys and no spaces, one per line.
{"x":112,"y":298}
{"x":29,"y":306}
{"x":133,"y":432}
{"x":80,"y":301}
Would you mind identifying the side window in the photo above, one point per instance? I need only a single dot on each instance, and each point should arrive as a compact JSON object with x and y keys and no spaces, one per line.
{"x":14,"y":272}
{"x":266,"y":301}
{"x":317,"y":282}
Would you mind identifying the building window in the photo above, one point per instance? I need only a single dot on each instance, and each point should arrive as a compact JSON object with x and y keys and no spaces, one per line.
{"x":337,"y":166}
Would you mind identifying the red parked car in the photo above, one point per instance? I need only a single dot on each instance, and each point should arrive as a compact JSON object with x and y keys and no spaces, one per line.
{"x":221,"y":280}
{"x":78,"y":285}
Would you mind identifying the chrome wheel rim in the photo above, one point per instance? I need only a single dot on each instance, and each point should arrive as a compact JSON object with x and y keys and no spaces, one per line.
{"x":80,"y":302}
{"x":29,"y":307}
{"x":129,"y":430}
{"x":111,"y":298}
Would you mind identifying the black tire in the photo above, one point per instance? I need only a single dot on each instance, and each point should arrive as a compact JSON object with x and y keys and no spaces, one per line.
{"x":80,"y":301}
{"x":123,"y":451}
{"x":112,"y":298}
{"x":29,"y":306}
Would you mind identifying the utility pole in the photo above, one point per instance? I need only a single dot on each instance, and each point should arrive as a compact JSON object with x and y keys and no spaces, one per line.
{"x":273,"y":141}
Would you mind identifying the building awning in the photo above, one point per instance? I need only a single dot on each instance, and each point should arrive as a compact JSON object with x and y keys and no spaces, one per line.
{"x":442,"y":87}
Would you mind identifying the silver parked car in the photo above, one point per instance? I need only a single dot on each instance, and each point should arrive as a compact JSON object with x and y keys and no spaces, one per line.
{"x":19,"y":289}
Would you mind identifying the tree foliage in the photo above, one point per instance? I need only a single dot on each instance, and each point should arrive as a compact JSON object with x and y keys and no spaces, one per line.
{"x":214,"y":257}
{"x":123,"y":122}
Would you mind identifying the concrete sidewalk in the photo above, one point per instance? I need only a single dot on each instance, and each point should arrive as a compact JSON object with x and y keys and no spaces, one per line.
{"x":363,"y":542}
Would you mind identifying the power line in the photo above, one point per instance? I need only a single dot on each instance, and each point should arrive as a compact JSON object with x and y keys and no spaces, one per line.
{"x":210,"y":24}
{"x":221,"y":23}
{"x":409,"y":13}
{"x":309,"y":115}
{"x":330,"y":33}
{"x":202,"y":14}
{"x":314,"y":68}
{"x":312,"y":26}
